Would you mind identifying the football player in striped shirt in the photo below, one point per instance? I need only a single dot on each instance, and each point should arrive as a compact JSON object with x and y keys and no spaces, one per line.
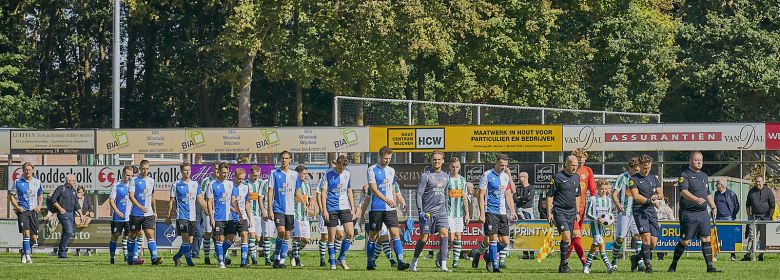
{"x":457,"y":208}
{"x":303,"y":211}
{"x":185,"y":196}
{"x":255,"y":204}
{"x":336,"y":195}
{"x":119,"y":200}
{"x":204,"y":220}
{"x":244,"y":214}
{"x":624,"y":220}
{"x":283,"y":186}
{"x":597,"y":206}
{"x":27,"y":197}
{"x":381,"y":182}
{"x":143,"y":214}
{"x":267,"y":227}
{"x":221,"y":197}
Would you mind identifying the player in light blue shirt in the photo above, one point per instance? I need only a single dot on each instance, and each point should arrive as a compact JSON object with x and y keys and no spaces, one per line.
{"x":381,"y":182}
{"x":221,"y":198}
{"x":283,"y":187}
{"x":185,"y":196}
{"x":494,"y":195}
{"x":143,"y":214}
{"x":119,"y":200}
{"x":26,"y":196}
{"x":336,"y":195}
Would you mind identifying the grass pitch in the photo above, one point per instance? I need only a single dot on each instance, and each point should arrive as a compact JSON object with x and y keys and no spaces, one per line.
{"x":97,"y":266}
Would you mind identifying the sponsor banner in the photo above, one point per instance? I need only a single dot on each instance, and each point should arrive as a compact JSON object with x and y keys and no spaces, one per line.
{"x":139,"y":141}
{"x":529,"y":235}
{"x":230,"y":140}
{"x":359,"y":175}
{"x":52,"y":141}
{"x":539,"y":174}
{"x":484,"y":138}
{"x":166,"y":235}
{"x":324,"y":139}
{"x":100,"y":178}
{"x":670,"y":137}
{"x":772,"y":234}
{"x":5,"y":142}
{"x":729,"y":234}
{"x":773,"y":136}
{"x":97,"y":234}
{"x":9,"y":233}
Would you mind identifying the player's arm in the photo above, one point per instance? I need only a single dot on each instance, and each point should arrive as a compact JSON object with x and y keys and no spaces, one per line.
{"x":483,"y":184}
{"x":364,"y":206}
{"x":154,"y":202}
{"x":592,"y":183}
{"x":615,"y":199}
{"x":351,"y":201}
{"x":211,"y":206}
{"x":550,"y":195}
{"x":270,"y":197}
{"x":14,"y":199}
{"x":171,"y":203}
{"x":234,"y":200}
{"x":248,"y":209}
{"x":420,"y":190}
{"x":466,"y":206}
{"x":590,"y":208}
{"x":635,"y":193}
{"x":511,"y":203}
{"x":111,"y":198}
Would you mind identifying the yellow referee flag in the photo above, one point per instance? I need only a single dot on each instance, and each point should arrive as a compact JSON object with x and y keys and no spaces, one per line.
{"x":715,"y":242}
{"x":547,"y":246}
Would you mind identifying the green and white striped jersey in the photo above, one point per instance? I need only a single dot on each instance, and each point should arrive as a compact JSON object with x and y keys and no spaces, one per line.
{"x":598,"y":205}
{"x":456,"y":193}
{"x":621,"y":187}
{"x":254,"y":196}
{"x":300,"y":205}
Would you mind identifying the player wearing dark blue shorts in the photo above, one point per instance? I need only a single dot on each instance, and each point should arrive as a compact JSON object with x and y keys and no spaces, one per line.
{"x":562,"y":205}
{"x":645,"y":188}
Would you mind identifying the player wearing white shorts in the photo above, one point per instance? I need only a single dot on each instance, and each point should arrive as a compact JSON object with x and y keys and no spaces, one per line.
{"x":256,"y":230}
{"x":624,"y":220}
{"x":267,"y":226}
{"x":597,"y":206}
{"x":457,"y":208}
{"x":203,"y":221}
{"x":303,"y":211}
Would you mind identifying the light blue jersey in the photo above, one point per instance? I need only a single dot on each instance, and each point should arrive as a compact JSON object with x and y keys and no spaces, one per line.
{"x":337,"y":188}
{"x":27,"y":193}
{"x":142,"y":191}
{"x":186,"y":195}
{"x":284,"y":185}
{"x":120,"y":194}
{"x":496,"y":185}
{"x":384,"y":178}
{"x":222,"y":192}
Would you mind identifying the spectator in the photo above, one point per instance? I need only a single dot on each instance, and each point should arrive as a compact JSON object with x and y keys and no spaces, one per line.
{"x":85,"y":215}
{"x":64,"y":198}
{"x":727,"y":204}
{"x":760,"y":205}
{"x":542,"y":205}
{"x":524,"y":201}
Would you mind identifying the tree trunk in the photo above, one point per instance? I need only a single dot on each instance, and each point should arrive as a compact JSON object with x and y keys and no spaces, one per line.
{"x":298,"y":104}
{"x":245,"y":96}
{"x":420,"y":91}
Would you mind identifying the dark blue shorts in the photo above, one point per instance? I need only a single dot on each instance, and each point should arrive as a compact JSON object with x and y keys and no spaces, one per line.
{"x":646,"y":222}
{"x":694,"y":224}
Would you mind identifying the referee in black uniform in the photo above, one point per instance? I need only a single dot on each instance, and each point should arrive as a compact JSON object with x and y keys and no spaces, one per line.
{"x":694,"y":219}
{"x":646,"y":188}
{"x":562,"y":205}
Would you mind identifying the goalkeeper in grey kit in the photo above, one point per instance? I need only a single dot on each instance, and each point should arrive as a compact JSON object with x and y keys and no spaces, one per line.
{"x":432,"y":202}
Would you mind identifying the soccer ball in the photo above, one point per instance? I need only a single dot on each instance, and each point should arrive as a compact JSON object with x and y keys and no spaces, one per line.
{"x":606,"y":219}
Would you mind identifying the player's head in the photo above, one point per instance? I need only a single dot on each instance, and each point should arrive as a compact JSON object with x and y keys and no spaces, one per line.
{"x":285,"y":157}
{"x":341,"y":163}
{"x":523,"y":177}
{"x":255,"y":172}
{"x":143,"y":168}
{"x":454,"y":166}
{"x":572,"y":162}
{"x":646,"y":163}
{"x":240,"y":175}
{"x":303,"y":172}
{"x":604,"y":187}
{"x":186,"y":170}
{"x":385,"y":155}
{"x":27,"y":170}
{"x":127,"y":173}
{"x":437,"y":160}
{"x":223,"y":171}
{"x":633,"y":165}
{"x":759,"y":182}
{"x":502,"y":163}
{"x":581,"y":154}
{"x":695,"y":160}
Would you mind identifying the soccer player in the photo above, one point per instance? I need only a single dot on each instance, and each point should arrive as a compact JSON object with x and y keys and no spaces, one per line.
{"x":283,"y":187}
{"x":255,"y":208}
{"x":336,"y":195}
{"x":143,"y":214}
{"x":268,"y":227}
{"x":694,"y":219}
{"x":119,"y":201}
{"x":185,"y":195}
{"x":381,"y":182}
{"x":645,"y":188}
{"x":303,"y":210}
{"x":562,"y":205}
{"x":244,"y":215}
{"x":221,"y":196}
{"x":495,"y":194}
{"x":322,"y":225}
{"x":588,"y":188}
{"x":432,"y":203}
{"x":27,"y":197}
{"x":624,"y":220}
{"x":204,"y":219}
{"x":383,"y":239}
{"x":457,"y":208}
{"x":597,"y":206}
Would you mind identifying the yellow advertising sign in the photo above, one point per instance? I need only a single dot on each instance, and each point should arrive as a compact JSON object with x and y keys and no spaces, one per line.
{"x":529,"y":235}
{"x":482,"y":138}
{"x":139,"y":141}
